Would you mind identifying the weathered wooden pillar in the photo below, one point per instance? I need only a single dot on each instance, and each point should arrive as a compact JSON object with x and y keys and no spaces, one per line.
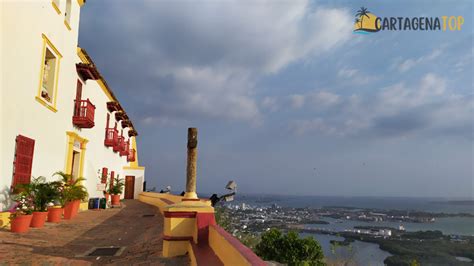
{"x":191,"y":167}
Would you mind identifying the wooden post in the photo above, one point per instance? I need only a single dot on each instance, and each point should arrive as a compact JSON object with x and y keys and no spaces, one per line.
{"x":191,"y":166}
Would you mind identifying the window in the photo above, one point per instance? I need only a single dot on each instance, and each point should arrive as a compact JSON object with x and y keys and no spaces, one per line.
{"x":49,"y":70}
{"x":23,"y":160}
{"x":67,"y":15}
{"x":49,"y":75}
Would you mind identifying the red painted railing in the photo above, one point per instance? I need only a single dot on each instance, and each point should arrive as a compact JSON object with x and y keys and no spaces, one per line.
{"x":125,"y":148}
{"x":131,"y":155}
{"x":111,"y":137}
{"x":119,"y":144}
{"x":83,"y":114}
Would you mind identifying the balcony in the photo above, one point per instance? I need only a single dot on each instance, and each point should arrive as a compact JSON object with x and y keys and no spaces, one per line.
{"x":111,"y":137}
{"x":125,"y":148}
{"x":131,"y":156}
{"x":83,"y":114}
{"x":119,"y":144}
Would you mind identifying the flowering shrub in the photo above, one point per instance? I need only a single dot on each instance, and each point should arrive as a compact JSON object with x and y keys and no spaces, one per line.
{"x":24,"y":205}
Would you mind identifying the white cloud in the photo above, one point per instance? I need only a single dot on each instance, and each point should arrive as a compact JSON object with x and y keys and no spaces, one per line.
{"x":412,"y":62}
{"x":203,"y":60}
{"x":323,"y":99}
{"x":426,"y":106}
{"x":347,"y":72}
{"x":296,"y":100}
{"x":317,"y":99}
{"x":270,"y":103}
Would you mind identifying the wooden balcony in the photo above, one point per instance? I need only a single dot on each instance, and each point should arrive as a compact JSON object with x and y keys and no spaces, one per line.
{"x":111,"y":137}
{"x":132,"y":133}
{"x":131,"y":155}
{"x":125,"y":148}
{"x":119,"y":144}
{"x":83,"y":114}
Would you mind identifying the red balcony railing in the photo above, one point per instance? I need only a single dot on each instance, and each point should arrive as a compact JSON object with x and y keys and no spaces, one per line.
{"x":131,"y":155}
{"x":119,"y":144}
{"x":83,"y":114}
{"x":111,"y":137}
{"x":125,"y":148}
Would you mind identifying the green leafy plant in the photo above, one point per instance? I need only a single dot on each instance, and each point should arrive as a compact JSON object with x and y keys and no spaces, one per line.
{"x":43,"y":193}
{"x":71,"y":188}
{"x":117,"y":187}
{"x":289,"y":248}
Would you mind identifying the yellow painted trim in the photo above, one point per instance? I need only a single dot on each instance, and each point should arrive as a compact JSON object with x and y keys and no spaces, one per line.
{"x":67,"y":25}
{"x":133,"y":168}
{"x":51,"y":45}
{"x":46,"y":104}
{"x":134,"y":146}
{"x":82,"y":56}
{"x":105,"y":90}
{"x":72,"y":137}
{"x":50,"y":106}
{"x":84,"y":206}
{"x":81,"y":2}
{"x":5,"y":220}
{"x":56,"y":7}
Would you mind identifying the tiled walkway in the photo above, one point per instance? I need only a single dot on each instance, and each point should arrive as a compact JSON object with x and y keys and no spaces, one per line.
{"x":67,"y":242}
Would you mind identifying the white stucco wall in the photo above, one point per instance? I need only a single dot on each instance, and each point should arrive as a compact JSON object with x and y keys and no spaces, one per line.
{"x":22,"y":25}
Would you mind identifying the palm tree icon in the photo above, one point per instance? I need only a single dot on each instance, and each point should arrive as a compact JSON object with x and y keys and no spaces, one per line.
{"x":361,"y":13}
{"x":357,"y":20}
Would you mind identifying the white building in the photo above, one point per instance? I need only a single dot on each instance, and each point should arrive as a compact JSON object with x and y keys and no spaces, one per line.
{"x":56,"y":110}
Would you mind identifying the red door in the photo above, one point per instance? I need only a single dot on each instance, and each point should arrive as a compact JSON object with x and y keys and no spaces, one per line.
{"x":129,"y":187}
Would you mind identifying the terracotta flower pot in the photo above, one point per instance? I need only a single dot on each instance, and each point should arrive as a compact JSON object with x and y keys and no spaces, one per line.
{"x":116,"y":199}
{"x":71,"y":209}
{"x":21,"y":224}
{"x":54,"y":215}
{"x":77,"y":205}
{"x":38,"y":220}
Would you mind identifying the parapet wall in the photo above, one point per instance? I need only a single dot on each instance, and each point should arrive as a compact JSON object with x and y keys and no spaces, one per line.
{"x":190,"y":228}
{"x":229,"y":249}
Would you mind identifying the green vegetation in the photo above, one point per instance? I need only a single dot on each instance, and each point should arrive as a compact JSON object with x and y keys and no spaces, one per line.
{"x":117,"y":187}
{"x":423,"y":247}
{"x":70,"y":188}
{"x":289,"y":248}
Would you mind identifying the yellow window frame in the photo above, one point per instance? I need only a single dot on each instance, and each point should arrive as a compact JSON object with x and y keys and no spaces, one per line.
{"x":72,"y":138}
{"x":48,"y":44}
{"x":56,"y":7}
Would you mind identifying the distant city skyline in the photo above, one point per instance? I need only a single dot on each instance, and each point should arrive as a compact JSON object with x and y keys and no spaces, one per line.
{"x":287,"y":99}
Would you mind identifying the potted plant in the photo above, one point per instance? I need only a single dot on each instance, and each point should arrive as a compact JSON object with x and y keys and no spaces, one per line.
{"x":73,"y":192}
{"x":42,"y":194}
{"x":55,"y":209}
{"x":116,"y":190}
{"x":20,"y":218}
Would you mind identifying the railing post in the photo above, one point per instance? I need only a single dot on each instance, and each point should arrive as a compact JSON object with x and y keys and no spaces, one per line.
{"x":191,"y":167}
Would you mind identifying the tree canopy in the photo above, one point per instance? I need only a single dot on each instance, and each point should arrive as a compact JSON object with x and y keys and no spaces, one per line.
{"x":289,"y":248}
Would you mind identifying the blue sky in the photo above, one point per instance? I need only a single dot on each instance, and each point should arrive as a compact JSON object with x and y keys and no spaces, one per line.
{"x":287,"y":99}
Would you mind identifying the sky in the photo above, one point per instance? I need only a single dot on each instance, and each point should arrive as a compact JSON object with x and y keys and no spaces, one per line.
{"x":287,"y":99}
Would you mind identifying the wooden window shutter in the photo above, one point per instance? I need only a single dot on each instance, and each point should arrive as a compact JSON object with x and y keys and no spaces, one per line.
{"x":112,"y":175}
{"x":104,"y":175}
{"x":79,"y":90}
{"x":23,"y":160}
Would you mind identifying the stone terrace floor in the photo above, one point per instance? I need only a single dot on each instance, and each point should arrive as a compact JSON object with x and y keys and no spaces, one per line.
{"x":66,"y":243}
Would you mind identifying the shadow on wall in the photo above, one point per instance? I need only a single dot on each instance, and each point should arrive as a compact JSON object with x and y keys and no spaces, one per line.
{"x":5,"y":199}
